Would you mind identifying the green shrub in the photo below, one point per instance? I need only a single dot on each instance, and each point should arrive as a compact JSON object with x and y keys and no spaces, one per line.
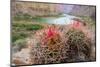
{"x":21,"y":43}
{"x":17,"y":36}
{"x":23,"y":26}
{"x":21,"y":16}
{"x":34,"y":27}
{"x":89,"y":21}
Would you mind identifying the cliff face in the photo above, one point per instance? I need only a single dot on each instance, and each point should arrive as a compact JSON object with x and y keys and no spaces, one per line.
{"x":83,"y":10}
{"x":33,"y":9}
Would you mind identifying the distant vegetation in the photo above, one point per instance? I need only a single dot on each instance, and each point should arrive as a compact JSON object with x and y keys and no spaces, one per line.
{"x":27,"y":17}
{"x":89,"y":21}
{"x":22,"y":28}
{"x":21,"y":16}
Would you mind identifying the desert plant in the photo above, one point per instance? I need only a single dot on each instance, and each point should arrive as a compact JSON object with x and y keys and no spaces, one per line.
{"x":21,"y":43}
{"x":26,"y":26}
{"x":18,"y":35}
{"x":51,"y":37}
{"x":23,"y":16}
{"x":34,"y":27}
{"x":79,"y":44}
{"x":51,"y":47}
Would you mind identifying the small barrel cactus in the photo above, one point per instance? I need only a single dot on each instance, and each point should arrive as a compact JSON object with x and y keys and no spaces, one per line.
{"x":48,"y":46}
{"x":79,"y":44}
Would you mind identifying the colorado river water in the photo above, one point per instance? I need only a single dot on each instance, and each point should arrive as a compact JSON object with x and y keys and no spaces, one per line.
{"x":62,"y":20}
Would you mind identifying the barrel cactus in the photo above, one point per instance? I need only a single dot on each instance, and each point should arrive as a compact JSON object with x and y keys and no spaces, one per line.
{"x":80,"y":44}
{"x":52,"y":46}
{"x":48,"y":47}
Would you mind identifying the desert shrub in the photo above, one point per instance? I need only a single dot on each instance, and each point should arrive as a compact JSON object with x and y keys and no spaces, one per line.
{"x":34,"y":27}
{"x":23,"y":26}
{"x":27,"y":17}
{"x":20,"y":43}
{"x":21,"y":16}
{"x":18,"y":35}
{"x":89,"y":21}
{"x":37,"y":18}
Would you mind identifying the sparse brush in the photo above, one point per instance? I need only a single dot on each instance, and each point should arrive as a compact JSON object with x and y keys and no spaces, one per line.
{"x":21,"y":43}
